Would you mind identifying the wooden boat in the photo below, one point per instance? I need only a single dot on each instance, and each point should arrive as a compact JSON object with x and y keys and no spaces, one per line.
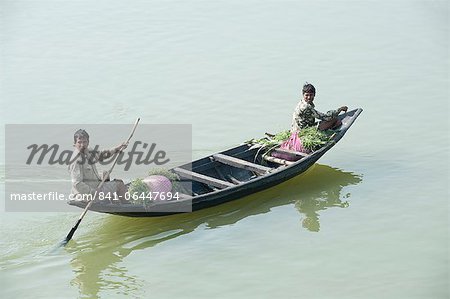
{"x":227,"y":176}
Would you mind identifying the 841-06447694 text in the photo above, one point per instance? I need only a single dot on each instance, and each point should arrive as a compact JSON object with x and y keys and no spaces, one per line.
{"x":52,"y":196}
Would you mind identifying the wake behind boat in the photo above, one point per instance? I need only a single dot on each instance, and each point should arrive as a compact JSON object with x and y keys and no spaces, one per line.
{"x":226,"y":176}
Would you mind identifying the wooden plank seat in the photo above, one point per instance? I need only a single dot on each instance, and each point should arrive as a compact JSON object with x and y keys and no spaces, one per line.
{"x":294,"y":154}
{"x":277,"y":160}
{"x":239,"y":163}
{"x":195,"y":176}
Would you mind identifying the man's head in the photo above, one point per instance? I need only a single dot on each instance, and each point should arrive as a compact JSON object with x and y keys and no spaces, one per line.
{"x":81,"y":140}
{"x":309,"y":92}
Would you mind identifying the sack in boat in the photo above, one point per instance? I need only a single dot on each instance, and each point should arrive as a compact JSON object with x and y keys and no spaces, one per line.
{"x":159,"y":185}
{"x":294,"y":143}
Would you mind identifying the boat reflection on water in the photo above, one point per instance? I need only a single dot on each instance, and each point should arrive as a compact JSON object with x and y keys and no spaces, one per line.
{"x":320,"y":194}
{"x":98,"y":254}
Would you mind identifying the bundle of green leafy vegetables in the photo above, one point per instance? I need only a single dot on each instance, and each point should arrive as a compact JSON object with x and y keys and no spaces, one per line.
{"x":164,"y":172}
{"x":272,"y":140}
{"x":138,"y":189}
{"x":311,"y":139}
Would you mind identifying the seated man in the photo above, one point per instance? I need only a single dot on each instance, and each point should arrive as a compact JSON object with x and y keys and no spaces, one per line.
{"x":85,"y":178}
{"x":305,"y":113}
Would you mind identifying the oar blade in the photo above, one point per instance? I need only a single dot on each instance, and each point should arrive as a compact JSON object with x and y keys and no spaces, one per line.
{"x":70,"y":234}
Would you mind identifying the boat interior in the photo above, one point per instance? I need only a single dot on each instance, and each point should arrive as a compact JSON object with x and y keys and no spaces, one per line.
{"x":229,"y":168}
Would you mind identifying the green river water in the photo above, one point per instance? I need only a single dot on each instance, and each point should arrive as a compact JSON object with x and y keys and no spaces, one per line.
{"x":370,"y":220}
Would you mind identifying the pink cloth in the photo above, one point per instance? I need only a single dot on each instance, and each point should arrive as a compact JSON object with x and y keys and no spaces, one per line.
{"x":293,"y":144}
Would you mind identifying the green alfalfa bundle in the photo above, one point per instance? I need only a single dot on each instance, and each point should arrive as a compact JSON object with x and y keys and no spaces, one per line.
{"x":271,"y":140}
{"x":312,"y":138}
{"x":138,"y":190}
